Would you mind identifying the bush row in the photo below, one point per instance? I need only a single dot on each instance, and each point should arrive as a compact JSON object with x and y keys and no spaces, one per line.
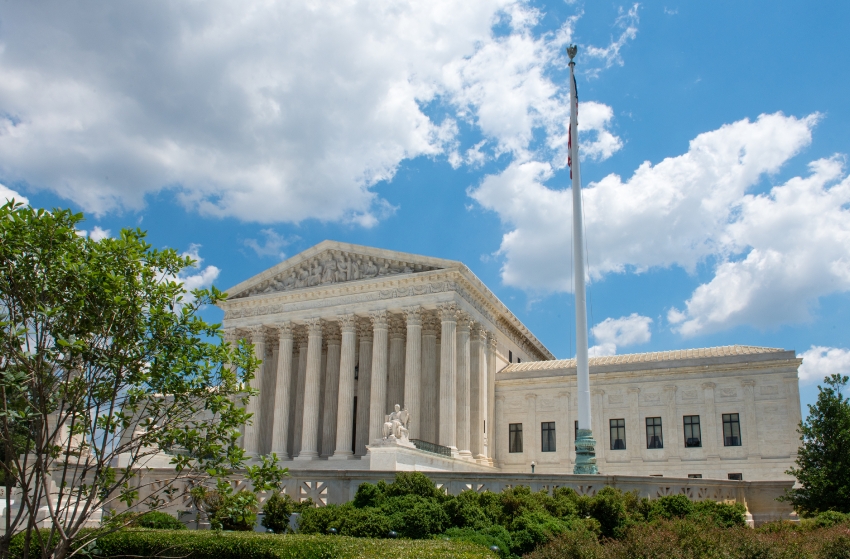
{"x":698,"y":539}
{"x":516,"y":520}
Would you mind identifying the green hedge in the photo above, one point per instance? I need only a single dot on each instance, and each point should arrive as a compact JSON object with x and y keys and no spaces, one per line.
{"x":247,"y":545}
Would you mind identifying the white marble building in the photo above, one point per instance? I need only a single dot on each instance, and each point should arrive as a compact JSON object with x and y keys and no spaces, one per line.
{"x":346,"y":331}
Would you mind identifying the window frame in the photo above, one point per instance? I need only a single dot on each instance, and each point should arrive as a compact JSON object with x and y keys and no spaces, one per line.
{"x":690,"y":427}
{"x":733,"y":421}
{"x":612,"y":427}
{"x":547,"y":444}
{"x":514,"y":437}
{"x":654,"y":433}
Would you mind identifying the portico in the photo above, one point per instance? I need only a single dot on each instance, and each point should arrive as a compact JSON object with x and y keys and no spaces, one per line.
{"x":345,"y":332}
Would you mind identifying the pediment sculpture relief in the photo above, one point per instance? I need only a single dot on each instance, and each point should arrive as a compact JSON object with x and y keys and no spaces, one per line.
{"x":333,"y":267}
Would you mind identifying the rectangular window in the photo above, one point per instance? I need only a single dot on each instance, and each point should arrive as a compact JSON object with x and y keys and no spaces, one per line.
{"x":695,"y":476}
{"x":547,"y":436}
{"x":735,"y":477}
{"x":654,"y":438}
{"x":618,"y":434}
{"x":510,"y":356}
{"x":731,"y":430}
{"x":515,"y":442}
{"x":693,"y":437}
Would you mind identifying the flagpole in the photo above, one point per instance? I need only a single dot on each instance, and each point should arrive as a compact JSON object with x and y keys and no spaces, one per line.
{"x":585,"y":445}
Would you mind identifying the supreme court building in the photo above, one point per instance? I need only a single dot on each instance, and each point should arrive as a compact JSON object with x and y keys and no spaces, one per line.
{"x":345,"y":332}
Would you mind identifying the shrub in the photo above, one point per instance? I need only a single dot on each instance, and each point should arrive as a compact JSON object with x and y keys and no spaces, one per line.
{"x":723,"y":515}
{"x":276,"y":512}
{"x":464,"y":511}
{"x":415,"y":517}
{"x":413,"y":483}
{"x":671,"y":506}
{"x":574,"y":544}
{"x":533,"y":528}
{"x":830,"y":518}
{"x":367,"y":495}
{"x":158,"y":521}
{"x":364,"y":523}
{"x":318,"y":520}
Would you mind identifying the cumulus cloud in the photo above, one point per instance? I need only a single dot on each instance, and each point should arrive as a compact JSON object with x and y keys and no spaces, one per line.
{"x":270,"y":112}
{"x":612,"y":333}
{"x":272,"y":244}
{"x":198,"y":276}
{"x":775,"y":253}
{"x":820,"y":362}
{"x":7,"y":194}
{"x":627,"y":22}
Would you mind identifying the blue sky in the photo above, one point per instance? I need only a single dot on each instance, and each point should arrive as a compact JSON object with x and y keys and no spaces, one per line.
{"x":713,"y":137}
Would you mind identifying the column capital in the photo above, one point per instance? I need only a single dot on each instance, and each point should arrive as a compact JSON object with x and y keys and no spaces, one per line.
{"x":257,"y":333}
{"x":379,"y":319}
{"x":314,"y":326}
{"x":364,"y":328}
{"x":413,"y":315}
{"x":448,"y":312}
{"x":347,"y":322}
{"x":464,"y":322}
{"x":397,"y":327}
{"x":284,"y":329}
{"x":230,"y":335}
{"x":492,"y":341}
{"x":331,"y":333}
{"x":478,"y":333}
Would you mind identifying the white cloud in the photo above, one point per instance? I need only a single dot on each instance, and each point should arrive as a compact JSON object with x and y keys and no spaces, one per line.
{"x":197,"y":277}
{"x":98,"y":234}
{"x":788,"y":248}
{"x":776,"y":253}
{"x":272,"y":245}
{"x":270,"y":112}
{"x":612,"y":333}
{"x":7,"y":194}
{"x":627,"y":22}
{"x":820,"y":362}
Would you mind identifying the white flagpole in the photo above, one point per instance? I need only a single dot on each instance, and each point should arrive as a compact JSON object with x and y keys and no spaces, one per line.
{"x":585,"y":445}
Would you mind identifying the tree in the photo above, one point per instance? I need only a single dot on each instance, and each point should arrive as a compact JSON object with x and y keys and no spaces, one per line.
{"x":104,"y":363}
{"x":824,"y":458}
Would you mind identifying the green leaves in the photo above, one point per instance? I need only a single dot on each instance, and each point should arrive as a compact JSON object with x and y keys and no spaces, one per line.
{"x":106,"y":361}
{"x":824,"y":457}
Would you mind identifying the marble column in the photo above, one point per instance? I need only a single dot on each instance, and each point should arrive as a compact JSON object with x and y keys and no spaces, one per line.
{"x":448,"y":377}
{"x":395,"y":378}
{"x":252,"y":427}
{"x":670,"y":431}
{"x":430,"y":393}
{"x":709,"y":431}
{"x":413,"y":370}
{"x":364,"y":386}
{"x":477,"y":391}
{"x":312,"y":380}
{"x":378,"y":393}
{"x":463,"y":374}
{"x":345,"y":398}
{"x":490,"y":440}
{"x":750,"y":427}
{"x":280,"y":425}
{"x":299,"y":393}
{"x":331,"y":392}
{"x":267,"y":411}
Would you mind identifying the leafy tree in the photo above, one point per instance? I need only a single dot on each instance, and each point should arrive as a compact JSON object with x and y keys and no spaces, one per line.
{"x":104,"y":363}
{"x":824,"y":457}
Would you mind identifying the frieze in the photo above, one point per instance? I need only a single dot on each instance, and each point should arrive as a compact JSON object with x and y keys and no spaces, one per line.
{"x":330,"y":267}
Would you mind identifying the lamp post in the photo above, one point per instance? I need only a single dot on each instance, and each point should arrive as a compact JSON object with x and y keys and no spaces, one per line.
{"x":533,"y":463}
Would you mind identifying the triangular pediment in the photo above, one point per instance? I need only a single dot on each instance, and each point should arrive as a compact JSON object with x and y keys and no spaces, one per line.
{"x":331,"y":262}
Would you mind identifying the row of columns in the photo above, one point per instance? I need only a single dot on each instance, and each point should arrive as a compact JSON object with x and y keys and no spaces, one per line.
{"x":441,"y":367}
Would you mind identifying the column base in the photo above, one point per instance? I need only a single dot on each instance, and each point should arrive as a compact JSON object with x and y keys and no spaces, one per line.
{"x":345,"y":455}
{"x":454,"y":452}
{"x":307,"y":456}
{"x":464,"y":455}
{"x":585,"y":453}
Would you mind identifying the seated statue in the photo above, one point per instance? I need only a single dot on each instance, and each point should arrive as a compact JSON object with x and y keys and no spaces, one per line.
{"x":396,"y":424}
